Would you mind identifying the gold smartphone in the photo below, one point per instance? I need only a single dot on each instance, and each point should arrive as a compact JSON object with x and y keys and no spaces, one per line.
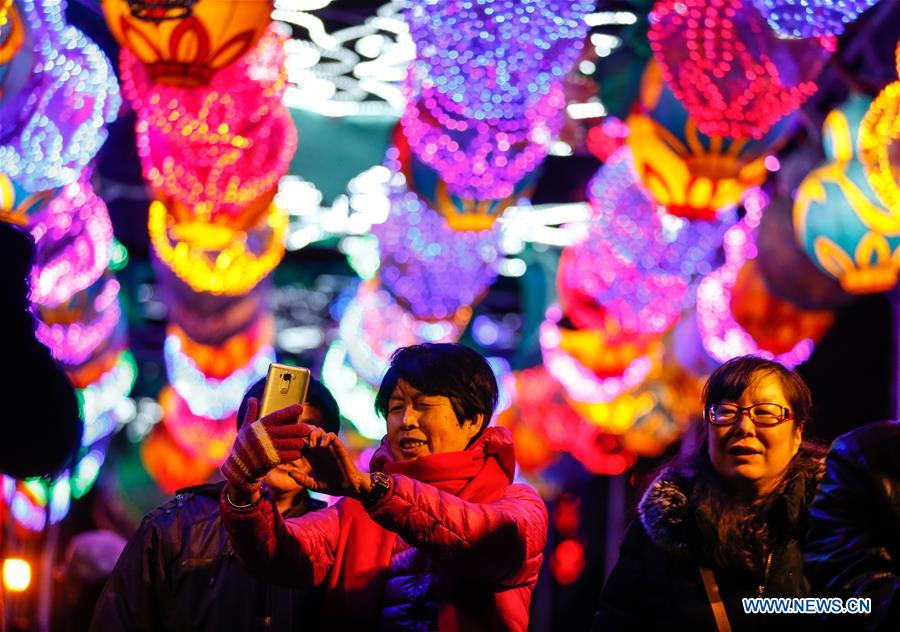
{"x":285,"y":385}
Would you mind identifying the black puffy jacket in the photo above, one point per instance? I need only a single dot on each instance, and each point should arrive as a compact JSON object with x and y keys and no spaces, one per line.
{"x":656,"y":583}
{"x":854,"y":540}
{"x":179,"y":572}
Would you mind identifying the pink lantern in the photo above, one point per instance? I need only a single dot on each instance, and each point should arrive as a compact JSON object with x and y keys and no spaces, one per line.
{"x":219,"y":148}
{"x":73,"y":240}
{"x":733,"y":74}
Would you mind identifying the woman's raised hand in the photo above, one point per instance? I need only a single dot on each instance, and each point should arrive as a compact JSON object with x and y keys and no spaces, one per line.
{"x":330,"y":467}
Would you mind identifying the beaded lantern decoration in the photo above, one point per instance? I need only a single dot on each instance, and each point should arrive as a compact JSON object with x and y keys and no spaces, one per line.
{"x":71,"y":96}
{"x":185,"y":42}
{"x":73,"y":242}
{"x":693,"y":175}
{"x":720,"y":309}
{"x":838,"y":218}
{"x":423,"y":259}
{"x":879,"y":143}
{"x":217,"y":148}
{"x":484,"y":97}
{"x":811,"y":18}
{"x":735,"y":77}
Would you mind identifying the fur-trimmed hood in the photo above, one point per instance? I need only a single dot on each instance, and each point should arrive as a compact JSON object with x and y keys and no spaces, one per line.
{"x":669,"y":507}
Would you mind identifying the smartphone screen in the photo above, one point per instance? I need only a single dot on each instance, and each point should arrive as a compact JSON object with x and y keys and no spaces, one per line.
{"x":285,"y":385}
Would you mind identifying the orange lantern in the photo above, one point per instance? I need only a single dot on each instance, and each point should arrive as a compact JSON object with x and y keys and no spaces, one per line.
{"x":879,"y":143}
{"x":775,"y":324}
{"x":185,"y":42}
{"x":166,"y":464}
{"x":221,"y":360}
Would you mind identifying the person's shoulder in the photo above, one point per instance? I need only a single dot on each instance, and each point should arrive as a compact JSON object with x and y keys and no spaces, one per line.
{"x":869,"y":441}
{"x":188,"y":506}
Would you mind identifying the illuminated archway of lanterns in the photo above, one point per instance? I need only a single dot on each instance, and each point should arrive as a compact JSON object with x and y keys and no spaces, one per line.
{"x":57,"y":93}
{"x":839,"y":219}
{"x":214,"y":139}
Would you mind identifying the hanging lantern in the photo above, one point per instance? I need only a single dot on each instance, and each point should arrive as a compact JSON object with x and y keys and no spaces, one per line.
{"x":838,"y":219}
{"x":185,"y":42}
{"x":490,"y":61}
{"x":879,"y":144}
{"x":806,"y":286}
{"x":774,"y":324}
{"x":73,"y":241}
{"x":73,"y":94}
{"x":17,"y":205}
{"x":204,"y":439}
{"x":735,"y":77}
{"x":461,"y":212}
{"x":423,"y":259}
{"x":220,"y":148}
{"x":692,"y":174}
{"x":811,"y":18}
{"x":723,"y":336}
{"x":579,"y":381}
{"x":214,"y":257}
{"x":168,"y":465}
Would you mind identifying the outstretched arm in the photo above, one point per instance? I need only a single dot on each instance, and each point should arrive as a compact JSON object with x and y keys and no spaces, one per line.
{"x":500,"y":541}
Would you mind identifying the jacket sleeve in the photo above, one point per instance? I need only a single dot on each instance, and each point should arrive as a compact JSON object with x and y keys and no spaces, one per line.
{"x":293,"y":552}
{"x":131,"y":598}
{"x":844,"y":554}
{"x":619,"y":605}
{"x":501,"y":542}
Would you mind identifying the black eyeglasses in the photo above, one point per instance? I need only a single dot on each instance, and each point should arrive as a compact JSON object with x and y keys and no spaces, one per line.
{"x":763,"y":415}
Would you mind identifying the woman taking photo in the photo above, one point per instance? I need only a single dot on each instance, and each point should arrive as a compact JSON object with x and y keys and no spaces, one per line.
{"x":436,"y":537}
{"x":728,"y":521}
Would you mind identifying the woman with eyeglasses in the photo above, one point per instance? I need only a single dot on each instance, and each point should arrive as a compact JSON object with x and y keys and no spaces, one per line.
{"x":727,"y":521}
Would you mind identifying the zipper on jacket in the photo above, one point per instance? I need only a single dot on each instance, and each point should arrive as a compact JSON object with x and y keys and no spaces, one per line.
{"x":762,"y":587}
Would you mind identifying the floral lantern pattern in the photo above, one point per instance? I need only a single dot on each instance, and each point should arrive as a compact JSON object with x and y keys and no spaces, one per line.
{"x":690,"y":173}
{"x":185,"y":42}
{"x":735,"y":77}
{"x":839,"y":220}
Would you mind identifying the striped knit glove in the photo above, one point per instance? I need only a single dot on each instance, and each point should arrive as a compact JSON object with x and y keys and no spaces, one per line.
{"x":261,"y":445}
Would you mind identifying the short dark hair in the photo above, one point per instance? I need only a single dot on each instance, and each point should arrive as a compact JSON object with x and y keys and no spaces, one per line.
{"x":731,"y":379}
{"x":318,"y":396}
{"x":453,"y":370}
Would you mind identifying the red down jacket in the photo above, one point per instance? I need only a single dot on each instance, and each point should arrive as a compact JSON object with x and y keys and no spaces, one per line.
{"x":449,"y":563}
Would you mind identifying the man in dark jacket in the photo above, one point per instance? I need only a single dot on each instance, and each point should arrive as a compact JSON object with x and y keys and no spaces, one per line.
{"x":853,"y":548}
{"x":179,"y":571}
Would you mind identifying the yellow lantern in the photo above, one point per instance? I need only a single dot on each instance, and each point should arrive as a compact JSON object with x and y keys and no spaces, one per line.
{"x":215,"y":257}
{"x":879,"y":144}
{"x":184,"y":42}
